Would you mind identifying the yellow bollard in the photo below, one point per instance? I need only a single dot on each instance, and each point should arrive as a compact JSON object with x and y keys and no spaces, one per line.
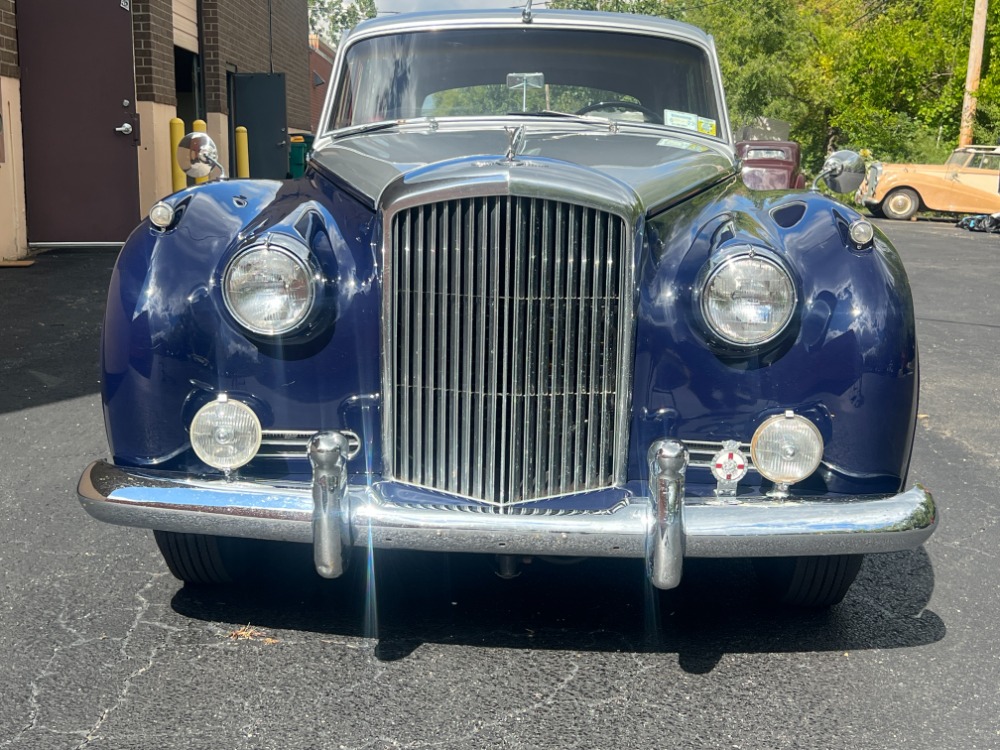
{"x":200,"y":126}
{"x":178,"y":179}
{"x":242,"y":152}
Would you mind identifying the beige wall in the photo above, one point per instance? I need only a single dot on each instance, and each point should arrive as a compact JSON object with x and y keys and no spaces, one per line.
{"x":154,"y":153}
{"x":186,"y":25}
{"x":218,"y":128}
{"x":13,"y":228}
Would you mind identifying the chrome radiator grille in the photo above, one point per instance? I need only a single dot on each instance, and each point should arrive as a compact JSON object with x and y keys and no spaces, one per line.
{"x":503,"y":345}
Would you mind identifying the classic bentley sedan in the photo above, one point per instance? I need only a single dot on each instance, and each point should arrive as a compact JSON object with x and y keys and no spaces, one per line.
{"x":520,"y":304}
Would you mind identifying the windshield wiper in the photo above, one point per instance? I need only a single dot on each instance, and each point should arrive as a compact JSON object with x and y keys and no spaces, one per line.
{"x":604,"y":122}
{"x":368,"y":128}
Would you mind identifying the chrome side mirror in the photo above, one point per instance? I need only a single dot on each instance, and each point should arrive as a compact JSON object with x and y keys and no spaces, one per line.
{"x":844,"y":171}
{"x":198,"y":156}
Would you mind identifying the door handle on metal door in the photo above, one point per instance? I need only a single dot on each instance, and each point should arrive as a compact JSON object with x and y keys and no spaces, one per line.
{"x":279,"y":144}
{"x":125,"y":129}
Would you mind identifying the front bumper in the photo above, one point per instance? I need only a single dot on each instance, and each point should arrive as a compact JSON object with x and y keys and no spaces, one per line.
{"x":662,"y":528}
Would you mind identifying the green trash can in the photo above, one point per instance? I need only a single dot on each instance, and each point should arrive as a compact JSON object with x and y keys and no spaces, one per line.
{"x":300,"y":146}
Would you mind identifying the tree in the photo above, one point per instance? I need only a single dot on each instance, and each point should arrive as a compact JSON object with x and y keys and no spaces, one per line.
{"x":330,"y":18}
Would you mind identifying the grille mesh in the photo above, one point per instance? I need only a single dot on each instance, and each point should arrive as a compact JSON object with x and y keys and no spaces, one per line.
{"x":503,"y":346}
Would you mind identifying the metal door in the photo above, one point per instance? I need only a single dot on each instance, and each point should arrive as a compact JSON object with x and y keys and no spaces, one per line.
{"x":80,"y":127}
{"x":258,"y":104}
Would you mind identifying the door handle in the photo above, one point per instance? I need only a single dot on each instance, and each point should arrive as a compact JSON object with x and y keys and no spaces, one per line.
{"x":125,"y":129}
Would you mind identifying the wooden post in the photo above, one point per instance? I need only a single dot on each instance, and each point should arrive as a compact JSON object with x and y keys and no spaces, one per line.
{"x":178,"y":179}
{"x":972,"y":76}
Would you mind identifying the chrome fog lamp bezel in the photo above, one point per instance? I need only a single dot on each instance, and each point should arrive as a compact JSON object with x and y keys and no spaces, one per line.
{"x":777,"y":422}
{"x":726,"y":264}
{"x":287,"y":248}
{"x":161,"y":215}
{"x":236,"y":409}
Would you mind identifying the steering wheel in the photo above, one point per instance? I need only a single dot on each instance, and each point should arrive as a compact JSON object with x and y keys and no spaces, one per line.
{"x":648,"y":114}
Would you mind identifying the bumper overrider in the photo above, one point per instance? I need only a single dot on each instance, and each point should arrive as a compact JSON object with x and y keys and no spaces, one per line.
{"x":663,"y":528}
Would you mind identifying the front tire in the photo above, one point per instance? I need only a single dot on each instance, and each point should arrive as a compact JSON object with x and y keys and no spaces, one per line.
{"x":901,"y":204}
{"x":818,"y":582}
{"x":204,"y":560}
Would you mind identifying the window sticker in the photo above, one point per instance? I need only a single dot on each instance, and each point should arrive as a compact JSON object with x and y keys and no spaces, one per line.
{"x":680,"y":119}
{"x":706,"y":126}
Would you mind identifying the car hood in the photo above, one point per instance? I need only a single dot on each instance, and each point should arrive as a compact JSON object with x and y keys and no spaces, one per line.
{"x":938,"y":169}
{"x":658,"y":168}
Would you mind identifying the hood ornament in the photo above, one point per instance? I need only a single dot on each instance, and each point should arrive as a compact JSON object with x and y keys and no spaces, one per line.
{"x":515,"y":141}
{"x":526,"y":12}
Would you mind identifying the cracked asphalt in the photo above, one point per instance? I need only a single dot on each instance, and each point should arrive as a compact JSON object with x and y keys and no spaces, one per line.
{"x":101,"y":648}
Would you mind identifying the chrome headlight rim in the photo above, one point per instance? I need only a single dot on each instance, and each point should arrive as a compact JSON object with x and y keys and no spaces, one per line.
{"x":716,"y":266}
{"x":300,"y":255}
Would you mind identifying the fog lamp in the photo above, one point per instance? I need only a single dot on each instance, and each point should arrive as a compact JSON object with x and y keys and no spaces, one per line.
{"x":161,"y":215}
{"x":786,"y":448}
{"x":225,"y":434}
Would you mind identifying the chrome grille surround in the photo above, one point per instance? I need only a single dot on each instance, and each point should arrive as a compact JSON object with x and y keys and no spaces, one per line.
{"x":484,"y":404}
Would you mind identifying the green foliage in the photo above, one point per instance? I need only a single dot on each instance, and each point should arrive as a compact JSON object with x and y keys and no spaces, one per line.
{"x":884,"y":75}
{"x":329,"y":18}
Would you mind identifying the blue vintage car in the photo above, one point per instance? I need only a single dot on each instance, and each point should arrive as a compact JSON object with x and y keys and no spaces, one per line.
{"x":520,"y":304}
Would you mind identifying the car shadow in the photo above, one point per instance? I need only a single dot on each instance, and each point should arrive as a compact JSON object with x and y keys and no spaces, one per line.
{"x":402,"y":600}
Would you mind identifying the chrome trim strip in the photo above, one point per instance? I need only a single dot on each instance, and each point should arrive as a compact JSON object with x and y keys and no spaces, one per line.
{"x":761,"y":528}
{"x":75,"y":245}
{"x":295,"y":444}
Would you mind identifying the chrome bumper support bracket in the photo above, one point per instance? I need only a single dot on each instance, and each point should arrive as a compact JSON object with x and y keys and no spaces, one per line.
{"x":668,"y":460}
{"x":331,"y":520}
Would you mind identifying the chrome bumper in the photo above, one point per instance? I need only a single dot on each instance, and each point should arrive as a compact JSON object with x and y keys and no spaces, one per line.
{"x":662,"y":528}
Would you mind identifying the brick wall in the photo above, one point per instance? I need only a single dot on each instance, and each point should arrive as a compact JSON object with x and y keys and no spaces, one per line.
{"x":235,"y":38}
{"x":8,"y":40}
{"x":321,"y":57}
{"x":153,"y":38}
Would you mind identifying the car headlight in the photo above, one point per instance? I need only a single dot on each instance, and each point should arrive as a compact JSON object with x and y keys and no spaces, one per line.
{"x":748,"y":299}
{"x":786,"y":448}
{"x":268,"y":289}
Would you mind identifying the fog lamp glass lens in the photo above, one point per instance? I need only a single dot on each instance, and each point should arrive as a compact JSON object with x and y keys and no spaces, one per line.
{"x":161,"y":215}
{"x":786,"y":449}
{"x":748,"y":300}
{"x":268,"y":290}
{"x":225,"y":434}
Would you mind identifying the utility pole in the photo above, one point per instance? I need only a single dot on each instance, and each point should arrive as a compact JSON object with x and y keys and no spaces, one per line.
{"x":972,"y":77}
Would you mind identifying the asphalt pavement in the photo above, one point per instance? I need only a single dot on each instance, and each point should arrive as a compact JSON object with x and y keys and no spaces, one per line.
{"x":102,"y":648}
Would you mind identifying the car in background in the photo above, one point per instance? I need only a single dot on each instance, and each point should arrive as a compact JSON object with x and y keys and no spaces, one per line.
{"x":771,"y":165}
{"x":520,"y":304}
{"x":968,"y":183}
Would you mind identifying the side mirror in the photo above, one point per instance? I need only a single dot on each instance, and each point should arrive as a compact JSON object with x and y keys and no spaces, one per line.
{"x":843,"y":171}
{"x":198,"y":156}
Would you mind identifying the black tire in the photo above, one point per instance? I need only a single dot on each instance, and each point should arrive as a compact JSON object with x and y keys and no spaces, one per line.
{"x":876,"y":212}
{"x":900,"y":204}
{"x":204,"y":560}
{"x":808,"y":581}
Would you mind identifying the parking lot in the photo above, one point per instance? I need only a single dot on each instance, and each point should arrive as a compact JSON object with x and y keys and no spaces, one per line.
{"x":104,"y":649}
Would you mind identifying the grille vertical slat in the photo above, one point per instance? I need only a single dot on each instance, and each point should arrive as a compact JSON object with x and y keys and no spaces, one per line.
{"x":504,"y":347}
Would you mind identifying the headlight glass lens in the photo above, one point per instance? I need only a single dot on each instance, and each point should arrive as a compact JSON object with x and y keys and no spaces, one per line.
{"x":268,"y":289}
{"x":786,"y":448}
{"x":748,"y":300}
{"x":225,"y":434}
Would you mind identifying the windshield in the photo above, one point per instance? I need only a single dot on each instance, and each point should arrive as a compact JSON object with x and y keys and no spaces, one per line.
{"x":482,"y":72}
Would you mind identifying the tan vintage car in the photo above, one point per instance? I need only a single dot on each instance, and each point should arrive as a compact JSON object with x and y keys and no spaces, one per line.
{"x":967,"y":184}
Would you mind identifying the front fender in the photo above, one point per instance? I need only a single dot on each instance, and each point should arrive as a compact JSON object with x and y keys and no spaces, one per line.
{"x":169,"y":345}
